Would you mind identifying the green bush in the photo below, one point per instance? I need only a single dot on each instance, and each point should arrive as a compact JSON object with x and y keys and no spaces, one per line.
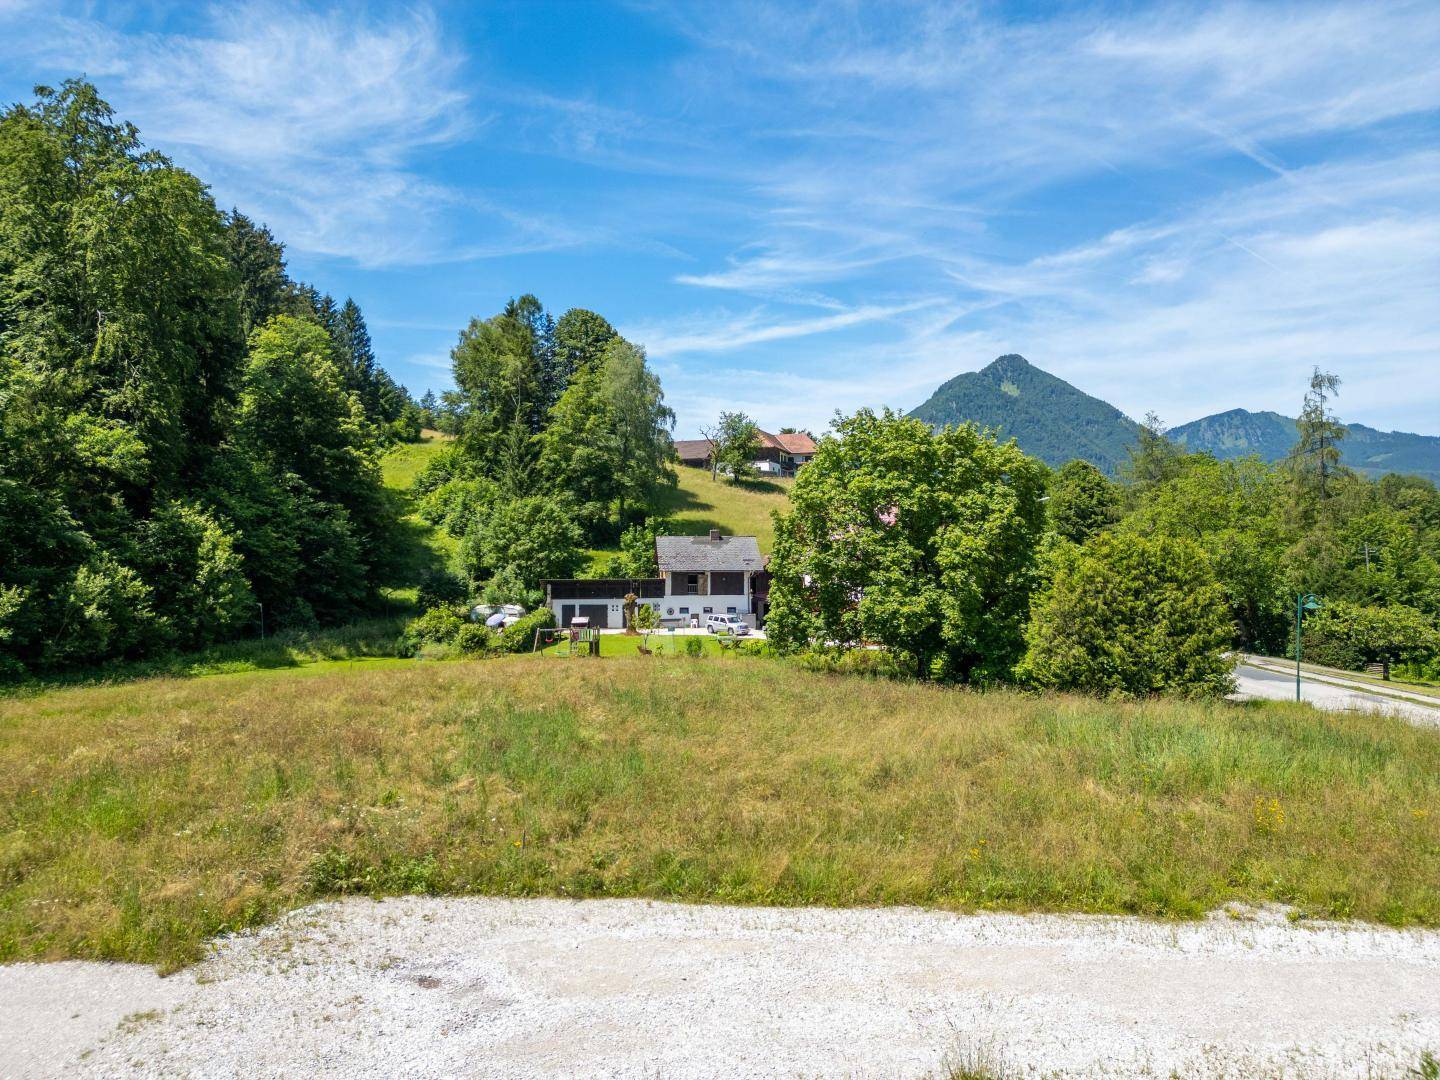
{"x":694,"y":645}
{"x":520,"y":635}
{"x":1346,"y":635}
{"x":647,"y":617}
{"x":1131,"y":615}
{"x":438,"y":626}
{"x":473,"y":639}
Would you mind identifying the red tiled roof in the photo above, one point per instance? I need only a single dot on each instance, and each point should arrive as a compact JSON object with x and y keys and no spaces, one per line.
{"x":796,"y":442}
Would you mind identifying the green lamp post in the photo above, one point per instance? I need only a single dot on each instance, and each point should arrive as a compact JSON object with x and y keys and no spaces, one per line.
{"x":1303,"y":602}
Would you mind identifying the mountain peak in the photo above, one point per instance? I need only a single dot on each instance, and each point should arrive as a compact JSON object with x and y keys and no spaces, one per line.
{"x":1046,"y":415}
{"x":1009,"y":362}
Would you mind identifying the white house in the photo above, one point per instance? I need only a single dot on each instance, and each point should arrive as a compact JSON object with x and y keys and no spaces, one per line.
{"x":699,"y":576}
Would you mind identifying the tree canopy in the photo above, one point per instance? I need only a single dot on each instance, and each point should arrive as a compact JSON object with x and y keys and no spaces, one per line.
{"x":178,"y":442}
{"x":922,"y":542}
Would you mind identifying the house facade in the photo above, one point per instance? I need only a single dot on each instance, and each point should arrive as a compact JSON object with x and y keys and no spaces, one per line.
{"x":778,"y":455}
{"x":699,"y":576}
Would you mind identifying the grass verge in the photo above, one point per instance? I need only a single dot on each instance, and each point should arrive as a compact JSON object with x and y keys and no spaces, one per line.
{"x":137,"y":820}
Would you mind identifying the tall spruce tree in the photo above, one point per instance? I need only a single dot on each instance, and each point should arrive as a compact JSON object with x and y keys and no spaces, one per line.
{"x":357,"y":356}
{"x":263,"y":287}
{"x":1317,"y":452}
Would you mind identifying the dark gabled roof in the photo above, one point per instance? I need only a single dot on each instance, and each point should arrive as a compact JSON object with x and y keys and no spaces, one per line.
{"x":692,"y":449}
{"x":696,"y":554}
{"x":794,"y":442}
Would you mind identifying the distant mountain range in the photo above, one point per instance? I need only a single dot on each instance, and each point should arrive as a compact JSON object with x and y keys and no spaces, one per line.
{"x":1239,"y":432}
{"x":1055,"y":422}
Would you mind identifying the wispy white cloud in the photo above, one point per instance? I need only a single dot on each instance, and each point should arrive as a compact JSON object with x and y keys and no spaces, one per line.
{"x":1308,"y":130}
{"x":317,"y":121}
{"x":725,"y":333}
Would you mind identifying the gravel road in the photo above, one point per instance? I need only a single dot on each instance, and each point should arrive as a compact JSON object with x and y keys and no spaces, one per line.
{"x":1258,"y":682}
{"x":525,"y":988}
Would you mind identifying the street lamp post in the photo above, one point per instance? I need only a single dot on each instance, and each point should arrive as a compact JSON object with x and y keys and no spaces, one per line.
{"x":1303,"y":602}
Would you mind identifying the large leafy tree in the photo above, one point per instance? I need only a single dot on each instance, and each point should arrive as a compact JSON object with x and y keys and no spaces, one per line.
{"x":608,"y":444}
{"x":499,"y":380}
{"x":921,"y":542}
{"x":581,"y":338}
{"x":297,"y":417}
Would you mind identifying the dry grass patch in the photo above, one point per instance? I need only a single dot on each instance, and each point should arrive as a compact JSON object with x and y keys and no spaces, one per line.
{"x":137,"y":820}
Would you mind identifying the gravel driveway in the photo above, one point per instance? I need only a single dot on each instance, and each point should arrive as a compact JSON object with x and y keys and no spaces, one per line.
{"x":522,"y":988}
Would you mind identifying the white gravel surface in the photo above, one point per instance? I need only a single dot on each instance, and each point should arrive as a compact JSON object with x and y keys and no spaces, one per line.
{"x":522,"y":988}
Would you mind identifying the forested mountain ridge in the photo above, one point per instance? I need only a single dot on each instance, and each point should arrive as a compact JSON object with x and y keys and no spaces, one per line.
{"x":1271,"y":436}
{"x":1046,"y":416}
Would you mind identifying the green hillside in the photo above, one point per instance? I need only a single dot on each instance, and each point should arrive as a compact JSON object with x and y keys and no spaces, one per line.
{"x":1048,"y":417}
{"x":700,"y":504}
{"x":1271,"y":436}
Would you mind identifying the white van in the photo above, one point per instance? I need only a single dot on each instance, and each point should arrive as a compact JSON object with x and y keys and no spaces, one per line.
{"x":726,"y":624}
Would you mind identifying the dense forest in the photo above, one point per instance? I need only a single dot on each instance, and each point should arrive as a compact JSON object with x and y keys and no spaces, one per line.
{"x":188,"y":437}
{"x":1369,"y":548}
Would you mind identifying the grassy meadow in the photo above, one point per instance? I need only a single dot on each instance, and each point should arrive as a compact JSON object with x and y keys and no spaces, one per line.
{"x":137,"y":820}
{"x":698,"y":504}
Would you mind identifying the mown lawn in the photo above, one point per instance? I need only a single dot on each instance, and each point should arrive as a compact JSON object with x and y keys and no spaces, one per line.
{"x":137,"y":820}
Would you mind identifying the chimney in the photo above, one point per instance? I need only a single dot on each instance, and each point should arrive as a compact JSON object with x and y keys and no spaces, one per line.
{"x":714,"y":534}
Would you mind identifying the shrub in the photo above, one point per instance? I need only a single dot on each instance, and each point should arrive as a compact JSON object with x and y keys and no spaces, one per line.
{"x":694,"y":645}
{"x":438,"y":626}
{"x":473,"y":638}
{"x":520,"y":635}
{"x":1350,"y":636}
{"x":1131,"y":615}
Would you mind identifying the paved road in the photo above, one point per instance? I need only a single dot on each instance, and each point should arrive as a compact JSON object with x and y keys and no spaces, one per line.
{"x":515,"y":989}
{"x":1256,"y":682}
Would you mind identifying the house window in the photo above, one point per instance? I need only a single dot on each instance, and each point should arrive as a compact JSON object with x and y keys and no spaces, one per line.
{"x":730,"y":610}
{"x":708,"y":610}
{"x":684,"y":611}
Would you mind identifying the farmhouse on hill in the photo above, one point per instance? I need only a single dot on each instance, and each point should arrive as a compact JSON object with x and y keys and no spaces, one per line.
{"x":699,"y":576}
{"x":779,"y":455}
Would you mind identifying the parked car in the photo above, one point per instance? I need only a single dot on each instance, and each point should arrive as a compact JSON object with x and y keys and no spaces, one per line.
{"x":726,"y":624}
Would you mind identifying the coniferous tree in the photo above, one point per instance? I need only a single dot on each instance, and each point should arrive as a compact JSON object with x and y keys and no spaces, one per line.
{"x":1316,"y":456}
{"x":263,"y":287}
{"x":357,"y":356}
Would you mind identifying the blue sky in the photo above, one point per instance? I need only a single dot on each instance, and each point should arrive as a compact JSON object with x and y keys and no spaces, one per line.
{"x":1179,"y":208}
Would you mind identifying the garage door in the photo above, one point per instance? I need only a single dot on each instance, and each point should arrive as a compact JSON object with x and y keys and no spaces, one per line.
{"x":596,"y":613}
